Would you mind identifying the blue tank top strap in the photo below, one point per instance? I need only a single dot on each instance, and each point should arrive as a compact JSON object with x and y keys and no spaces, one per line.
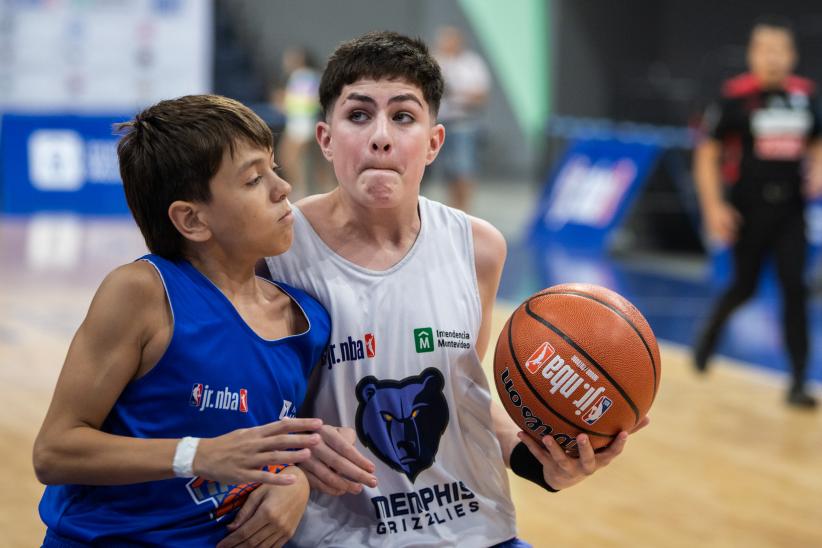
{"x":191,"y":292}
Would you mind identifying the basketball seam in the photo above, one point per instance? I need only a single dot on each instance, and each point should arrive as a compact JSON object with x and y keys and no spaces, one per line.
{"x":621,"y":315}
{"x":537,"y":395}
{"x":579,"y":349}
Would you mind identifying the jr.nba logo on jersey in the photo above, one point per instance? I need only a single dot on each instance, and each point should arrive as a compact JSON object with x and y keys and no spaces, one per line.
{"x":597,"y":410}
{"x":370,"y":345}
{"x":243,"y":400}
{"x":288,"y":410}
{"x":196,"y":395}
{"x":204,"y":397}
{"x":352,"y":349}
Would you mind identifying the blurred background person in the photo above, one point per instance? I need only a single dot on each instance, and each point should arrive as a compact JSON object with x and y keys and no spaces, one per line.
{"x":763,"y":128}
{"x":298,"y":100}
{"x":467,"y":82}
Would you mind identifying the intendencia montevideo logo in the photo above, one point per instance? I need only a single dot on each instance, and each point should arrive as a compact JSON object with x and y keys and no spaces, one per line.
{"x":425,"y":340}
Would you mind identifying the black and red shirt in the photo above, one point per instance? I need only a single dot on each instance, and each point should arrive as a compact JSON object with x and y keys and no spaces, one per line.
{"x":764,"y":132}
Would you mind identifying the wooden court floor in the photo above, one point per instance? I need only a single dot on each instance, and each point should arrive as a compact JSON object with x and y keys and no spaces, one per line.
{"x":723,"y":463}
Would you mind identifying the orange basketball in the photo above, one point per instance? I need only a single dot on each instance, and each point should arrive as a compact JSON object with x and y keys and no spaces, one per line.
{"x":577,"y":358}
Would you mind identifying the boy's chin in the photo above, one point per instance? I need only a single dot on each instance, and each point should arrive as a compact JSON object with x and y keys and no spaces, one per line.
{"x":281,"y":246}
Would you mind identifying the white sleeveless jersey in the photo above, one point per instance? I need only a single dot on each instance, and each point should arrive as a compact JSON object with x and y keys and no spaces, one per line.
{"x":401,"y":368}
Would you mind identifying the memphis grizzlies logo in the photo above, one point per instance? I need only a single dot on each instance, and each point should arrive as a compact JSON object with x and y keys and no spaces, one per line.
{"x":401,"y":422}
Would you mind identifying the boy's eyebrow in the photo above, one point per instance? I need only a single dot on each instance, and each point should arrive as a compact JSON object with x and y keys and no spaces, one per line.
{"x":396,"y":99}
{"x":361,"y":98}
{"x":405,"y":97}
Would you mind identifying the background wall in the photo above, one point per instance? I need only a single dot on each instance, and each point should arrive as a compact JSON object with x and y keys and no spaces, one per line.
{"x":660,"y":61}
{"x":266,"y":29}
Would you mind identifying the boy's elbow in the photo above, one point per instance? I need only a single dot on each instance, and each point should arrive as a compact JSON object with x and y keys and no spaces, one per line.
{"x":44,"y":459}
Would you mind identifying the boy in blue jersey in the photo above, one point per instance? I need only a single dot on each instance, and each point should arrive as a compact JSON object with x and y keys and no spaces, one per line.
{"x":179,"y":391}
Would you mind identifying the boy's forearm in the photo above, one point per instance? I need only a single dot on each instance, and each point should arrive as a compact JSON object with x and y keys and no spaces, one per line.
{"x":85,"y":455}
{"x":505,"y":430}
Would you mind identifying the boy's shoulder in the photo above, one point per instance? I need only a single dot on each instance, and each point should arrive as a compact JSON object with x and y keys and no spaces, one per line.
{"x":314,"y":206}
{"x":139,"y":277}
{"x":134,"y":289}
{"x":129,"y":307}
{"x":490,"y":247}
{"x":487,"y":235}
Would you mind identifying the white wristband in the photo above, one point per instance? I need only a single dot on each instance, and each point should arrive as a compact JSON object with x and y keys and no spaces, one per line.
{"x":183,"y":464}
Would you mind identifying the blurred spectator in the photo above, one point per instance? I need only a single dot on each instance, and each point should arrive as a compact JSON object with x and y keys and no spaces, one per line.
{"x":757,"y":137}
{"x":467,"y":83}
{"x":299,"y":101}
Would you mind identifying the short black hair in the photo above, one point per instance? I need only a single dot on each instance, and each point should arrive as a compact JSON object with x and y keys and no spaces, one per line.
{"x":774,"y":22}
{"x":381,"y":55}
{"x":172,"y":150}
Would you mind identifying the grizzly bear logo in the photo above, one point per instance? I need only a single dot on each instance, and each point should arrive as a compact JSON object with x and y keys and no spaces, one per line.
{"x":401,"y":422}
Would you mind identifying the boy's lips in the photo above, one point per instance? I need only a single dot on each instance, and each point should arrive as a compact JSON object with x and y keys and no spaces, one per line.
{"x":380,"y":168}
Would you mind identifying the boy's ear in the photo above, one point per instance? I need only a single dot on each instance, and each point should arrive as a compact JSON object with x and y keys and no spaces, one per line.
{"x":435,"y":141}
{"x":189,"y":220}
{"x":323,"y":134}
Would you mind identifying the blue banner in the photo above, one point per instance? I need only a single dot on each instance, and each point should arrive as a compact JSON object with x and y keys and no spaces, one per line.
{"x":60,"y":163}
{"x":590,"y":190}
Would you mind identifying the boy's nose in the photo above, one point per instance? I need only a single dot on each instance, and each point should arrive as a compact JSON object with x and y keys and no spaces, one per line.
{"x":381,"y":137}
{"x":280,"y":190}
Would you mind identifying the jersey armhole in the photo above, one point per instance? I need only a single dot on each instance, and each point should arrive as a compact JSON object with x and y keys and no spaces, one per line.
{"x":472,"y":266}
{"x":173,"y":321}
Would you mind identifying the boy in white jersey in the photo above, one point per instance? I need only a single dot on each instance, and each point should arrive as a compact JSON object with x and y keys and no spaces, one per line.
{"x":410,"y":285}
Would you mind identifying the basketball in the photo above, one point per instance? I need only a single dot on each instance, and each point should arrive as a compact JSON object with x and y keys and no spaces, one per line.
{"x":577,"y":358}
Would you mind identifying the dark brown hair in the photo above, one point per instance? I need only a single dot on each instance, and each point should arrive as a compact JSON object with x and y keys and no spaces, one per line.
{"x":172,"y":150}
{"x":777,"y":22}
{"x":381,"y":55}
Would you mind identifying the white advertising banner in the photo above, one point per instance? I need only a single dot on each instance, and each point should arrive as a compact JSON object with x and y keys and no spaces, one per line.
{"x":102,"y":55}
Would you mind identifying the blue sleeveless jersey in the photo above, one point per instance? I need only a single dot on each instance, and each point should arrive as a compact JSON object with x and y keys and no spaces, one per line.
{"x":217,"y":375}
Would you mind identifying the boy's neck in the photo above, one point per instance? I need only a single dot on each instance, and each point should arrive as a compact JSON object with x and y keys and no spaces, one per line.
{"x":392,"y":226}
{"x":234,"y":277}
{"x":370,"y":237}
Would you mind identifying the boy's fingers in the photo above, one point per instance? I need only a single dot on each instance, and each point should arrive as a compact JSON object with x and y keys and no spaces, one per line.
{"x":614,"y":449}
{"x":283,"y":457}
{"x":338,"y":442}
{"x":247,"y":510}
{"x":348,"y":434}
{"x":289,"y":441}
{"x":534,"y":448}
{"x":319,"y":485}
{"x":271,"y":478}
{"x":641,"y":424}
{"x":243,"y":536}
{"x":289,"y":425}
{"x":329,"y":478}
{"x":558,"y":453}
{"x":343,"y":466}
{"x":587,"y":457}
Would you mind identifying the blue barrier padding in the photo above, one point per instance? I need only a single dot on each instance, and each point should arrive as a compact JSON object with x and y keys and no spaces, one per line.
{"x":65,"y":163}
